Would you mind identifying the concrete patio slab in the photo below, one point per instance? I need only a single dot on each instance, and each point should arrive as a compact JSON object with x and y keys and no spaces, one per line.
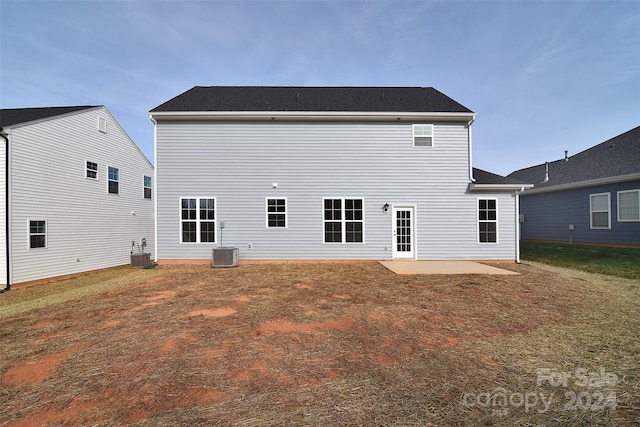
{"x":442,"y":267}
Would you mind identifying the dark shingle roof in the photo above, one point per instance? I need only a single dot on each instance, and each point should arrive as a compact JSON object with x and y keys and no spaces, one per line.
{"x":13,"y":116}
{"x":292,"y":98}
{"x":614,"y":157}
{"x":484,"y":177}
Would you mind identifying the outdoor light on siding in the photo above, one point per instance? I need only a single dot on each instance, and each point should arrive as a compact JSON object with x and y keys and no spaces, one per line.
{"x":385,"y":208}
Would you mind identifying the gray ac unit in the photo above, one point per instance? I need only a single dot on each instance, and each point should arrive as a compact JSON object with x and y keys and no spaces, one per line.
{"x":141,"y":260}
{"x":224,"y":257}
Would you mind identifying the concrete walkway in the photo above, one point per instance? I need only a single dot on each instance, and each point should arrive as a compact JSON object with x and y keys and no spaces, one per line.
{"x":442,"y":267}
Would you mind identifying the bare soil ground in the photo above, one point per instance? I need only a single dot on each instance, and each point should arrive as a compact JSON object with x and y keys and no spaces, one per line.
{"x":330,"y":344}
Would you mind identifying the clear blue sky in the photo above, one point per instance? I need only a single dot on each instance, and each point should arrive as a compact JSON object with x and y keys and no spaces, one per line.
{"x":542,"y":76}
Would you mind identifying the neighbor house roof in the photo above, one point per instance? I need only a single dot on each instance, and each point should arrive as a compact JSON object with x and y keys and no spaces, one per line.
{"x":14,"y":116}
{"x":615,"y":159}
{"x":484,"y":180}
{"x":312,"y":99}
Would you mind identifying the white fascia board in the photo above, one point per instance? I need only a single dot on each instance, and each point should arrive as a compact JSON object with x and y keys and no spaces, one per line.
{"x":499,"y":187}
{"x":588,"y":183}
{"x":308,"y":116}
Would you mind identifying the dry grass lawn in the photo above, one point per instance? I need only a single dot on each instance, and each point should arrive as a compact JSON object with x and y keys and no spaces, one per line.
{"x":321,"y":344}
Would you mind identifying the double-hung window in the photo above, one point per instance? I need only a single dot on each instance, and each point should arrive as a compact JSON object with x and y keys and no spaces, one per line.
{"x":487,"y":220}
{"x":600,"y":207}
{"x":423,"y":135}
{"x":197,"y":220}
{"x":92,"y":170}
{"x":147,"y":187}
{"x":276,"y":213}
{"x":113,"y":180}
{"x":343,"y":220}
{"x":629,"y":206}
{"x":37,"y":234}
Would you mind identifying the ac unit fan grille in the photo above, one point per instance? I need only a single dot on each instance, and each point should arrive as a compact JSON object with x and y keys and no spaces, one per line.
{"x":225,"y":257}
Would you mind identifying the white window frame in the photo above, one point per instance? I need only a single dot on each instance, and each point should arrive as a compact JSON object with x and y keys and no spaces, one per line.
{"x":267,"y":213}
{"x":102,"y":124}
{"x":608,"y":211}
{"x":618,"y":196}
{"x":343,"y":220}
{"x":110,"y":180}
{"x":87,"y":170}
{"x":146,"y":187}
{"x":495,"y":221}
{"x":198,"y":220}
{"x":29,"y":234}
{"x":418,"y":132}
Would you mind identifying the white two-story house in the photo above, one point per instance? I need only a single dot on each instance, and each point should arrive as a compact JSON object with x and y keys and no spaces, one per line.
{"x":326,"y":173}
{"x":75,"y":193}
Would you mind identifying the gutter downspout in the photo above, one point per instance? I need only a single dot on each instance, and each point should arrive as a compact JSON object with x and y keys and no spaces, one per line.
{"x":6,"y":208}
{"x":155,"y":187}
{"x":471,"y":178}
{"x":517,"y":194}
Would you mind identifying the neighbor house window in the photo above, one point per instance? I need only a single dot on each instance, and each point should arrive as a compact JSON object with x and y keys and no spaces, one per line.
{"x":600,"y":206}
{"x":487,"y":220}
{"x":276,"y":213}
{"x":113,"y":180}
{"x":423,"y":135}
{"x":92,"y":170}
{"x":629,"y":205}
{"x":147,"y":187}
{"x":343,"y":220}
{"x":197,"y":220}
{"x":37,"y":234}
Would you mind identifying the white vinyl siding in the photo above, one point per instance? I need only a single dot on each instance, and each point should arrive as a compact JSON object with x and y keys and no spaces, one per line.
{"x":600,"y":210}
{"x":629,"y":206}
{"x":310,"y":161}
{"x":87,"y":228}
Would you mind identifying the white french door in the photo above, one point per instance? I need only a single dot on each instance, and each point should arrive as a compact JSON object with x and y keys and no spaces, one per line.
{"x":403,"y":232}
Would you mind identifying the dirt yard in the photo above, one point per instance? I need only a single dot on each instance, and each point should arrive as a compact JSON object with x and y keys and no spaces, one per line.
{"x":321,"y":344}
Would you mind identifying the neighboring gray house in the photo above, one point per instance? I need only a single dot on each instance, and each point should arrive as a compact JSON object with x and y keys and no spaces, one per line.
{"x":590,"y":197}
{"x":326,"y":173}
{"x":75,"y":191}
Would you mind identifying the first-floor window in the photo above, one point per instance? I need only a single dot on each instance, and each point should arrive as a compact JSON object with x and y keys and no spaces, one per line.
{"x":487,"y":220}
{"x":147,"y":187}
{"x":343,"y":220}
{"x":276,"y":213}
{"x":113,"y":180}
{"x":600,"y":210}
{"x":629,"y":205}
{"x":197,"y":220}
{"x":37,"y":234}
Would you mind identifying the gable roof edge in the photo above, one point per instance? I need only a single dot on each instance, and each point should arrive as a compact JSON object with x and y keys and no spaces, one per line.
{"x":588,"y":183}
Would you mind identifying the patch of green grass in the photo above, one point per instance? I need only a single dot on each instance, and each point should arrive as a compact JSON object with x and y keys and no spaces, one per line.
{"x":613,"y":261}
